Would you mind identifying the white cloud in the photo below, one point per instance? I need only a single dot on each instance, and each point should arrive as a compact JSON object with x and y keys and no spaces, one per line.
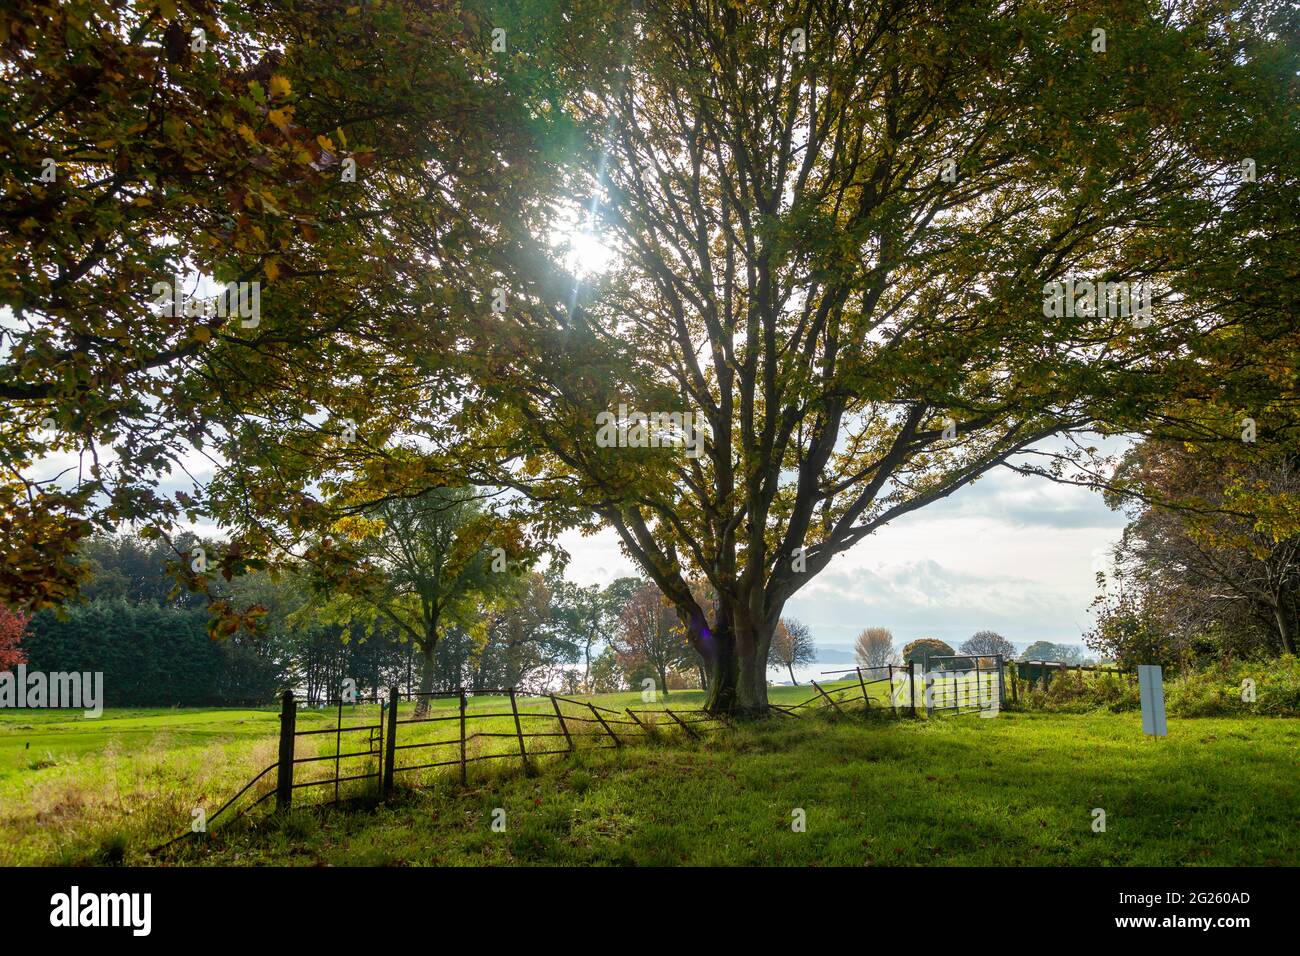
{"x":1014,"y":554}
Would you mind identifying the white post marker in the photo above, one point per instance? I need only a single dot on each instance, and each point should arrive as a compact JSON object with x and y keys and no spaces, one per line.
{"x":1151,"y":682}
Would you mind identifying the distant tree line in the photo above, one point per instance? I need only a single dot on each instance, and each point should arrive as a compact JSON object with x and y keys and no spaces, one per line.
{"x":874,"y":648}
{"x":150,"y":636}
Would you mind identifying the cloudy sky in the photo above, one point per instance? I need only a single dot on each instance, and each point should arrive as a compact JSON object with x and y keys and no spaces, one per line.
{"x":1014,"y":554}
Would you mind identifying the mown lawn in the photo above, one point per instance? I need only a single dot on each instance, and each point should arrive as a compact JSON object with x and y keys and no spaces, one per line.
{"x":1019,"y":789}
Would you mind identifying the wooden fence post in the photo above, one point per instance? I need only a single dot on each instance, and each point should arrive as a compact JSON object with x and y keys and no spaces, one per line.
{"x":284,"y":772}
{"x":462,"y":736}
{"x":911,"y":686}
{"x":648,"y":731}
{"x":563,"y":726}
{"x":829,"y":698}
{"x":390,"y":742}
{"x":684,"y":725}
{"x":866,"y":701}
{"x":519,"y":731}
{"x":617,"y":742}
{"x":893,"y":697}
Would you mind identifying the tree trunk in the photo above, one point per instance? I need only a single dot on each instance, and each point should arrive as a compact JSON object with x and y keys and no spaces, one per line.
{"x":737,"y":670}
{"x":790,"y":668}
{"x":724,"y":673}
{"x":586,"y":669}
{"x":426,"y":678}
{"x":1284,"y":628}
{"x":663,"y":679}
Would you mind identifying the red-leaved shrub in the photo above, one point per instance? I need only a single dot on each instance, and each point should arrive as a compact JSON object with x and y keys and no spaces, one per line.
{"x":12,"y":626}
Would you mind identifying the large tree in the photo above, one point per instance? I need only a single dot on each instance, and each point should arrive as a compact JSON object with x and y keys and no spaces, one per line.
{"x":835,"y":225}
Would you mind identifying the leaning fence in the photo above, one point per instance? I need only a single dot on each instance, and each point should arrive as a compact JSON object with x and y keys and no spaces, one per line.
{"x":375,"y":740}
{"x":373,"y":743}
{"x":959,"y":683}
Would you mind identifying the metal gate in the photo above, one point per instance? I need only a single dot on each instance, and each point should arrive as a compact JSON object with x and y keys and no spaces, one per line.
{"x":963,"y":684}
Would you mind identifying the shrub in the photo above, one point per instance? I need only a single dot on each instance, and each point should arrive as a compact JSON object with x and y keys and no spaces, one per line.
{"x":1214,"y":690}
{"x":12,"y":627}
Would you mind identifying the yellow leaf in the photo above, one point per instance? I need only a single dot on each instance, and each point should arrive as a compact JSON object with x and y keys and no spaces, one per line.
{"x":202,"y":333}
{"x":280,"y":86}
{"x":281,"y":118}
{"x":272,"y":268}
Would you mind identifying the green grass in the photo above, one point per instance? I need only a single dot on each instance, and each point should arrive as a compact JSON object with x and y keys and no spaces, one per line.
{"x":1015,"y":790}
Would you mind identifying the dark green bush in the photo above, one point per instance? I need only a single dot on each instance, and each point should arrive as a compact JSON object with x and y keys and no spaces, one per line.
{"x":150,"y":656}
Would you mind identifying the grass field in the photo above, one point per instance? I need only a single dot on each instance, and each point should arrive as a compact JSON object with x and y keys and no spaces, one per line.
{"x":1019,"y":789}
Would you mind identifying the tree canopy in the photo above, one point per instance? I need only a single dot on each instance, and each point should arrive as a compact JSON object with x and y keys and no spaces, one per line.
{"x":861,"y":253}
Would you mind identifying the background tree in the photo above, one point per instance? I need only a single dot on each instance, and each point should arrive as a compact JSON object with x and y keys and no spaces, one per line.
{"x":1047,"y":651}
{"x":793,"y":646}
{"x":606,"y":673}
{"x":422,"y":564}
{"x":151,"y":655}
{"x":647,"y":633}
{"x":527,"y":646}
{"x":874,"y":648}
{"x":925,"y":647}
{"x":1213,"y":547}
{"x":590,"y":614}
{"x":988,"y":644}
{"x":1127,"y":635}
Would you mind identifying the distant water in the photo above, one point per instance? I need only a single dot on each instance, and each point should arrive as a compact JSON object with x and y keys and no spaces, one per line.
{"x":813,"y":672}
